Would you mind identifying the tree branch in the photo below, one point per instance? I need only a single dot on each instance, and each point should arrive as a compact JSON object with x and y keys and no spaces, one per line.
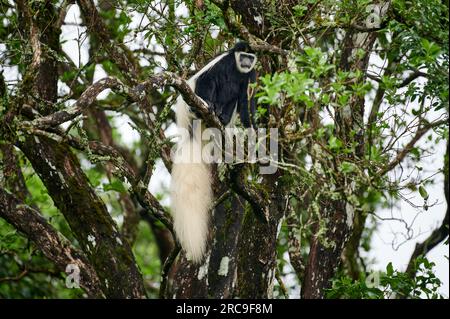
{"x":414,"y":75}
{"x":54,"y":246}
{"x":436,"y":237}
{"x":404,"y":152}
{"x":109,"y":153}
{"x":117,"y":51}
{"x":60,"y":171}
{"x":294,"y":241}
{"x":86,"y":99}
{"x":439,"y":234}
{"x":259,"y":204}
{"x":98,"y":236}
{"x":189,"y":96}
{"x":136,"y":94}
{"x":166,"y":268}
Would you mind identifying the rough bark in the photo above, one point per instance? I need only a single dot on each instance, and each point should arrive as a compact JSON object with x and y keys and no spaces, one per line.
{"x":325,"y":251}
{"x":12,"y":178}
{"x":54,"y":246}
{"x":216,"y":276}
{"x":258,"y":247}
{"x":60,"y":171}
{"x":99,"y":238}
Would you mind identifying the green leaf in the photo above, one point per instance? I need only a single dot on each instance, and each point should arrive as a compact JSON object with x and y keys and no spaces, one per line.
{"x":334,"y":143}
{"x":423,"y":192}
{"x":347,"y":167}
{"x":389,"y":269}
{"x":115,"y":185}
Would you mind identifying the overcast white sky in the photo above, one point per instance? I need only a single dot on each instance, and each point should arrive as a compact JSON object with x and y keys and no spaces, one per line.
{"x":383,"y":251}
{"x":426,"y":221}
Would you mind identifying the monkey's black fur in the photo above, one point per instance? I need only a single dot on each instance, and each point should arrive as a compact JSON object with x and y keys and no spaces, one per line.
{"x":223,"y":84}
{"x":224,"y":88}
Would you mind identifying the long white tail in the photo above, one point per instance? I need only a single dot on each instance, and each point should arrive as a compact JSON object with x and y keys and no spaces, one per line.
{"x":191,"y":193}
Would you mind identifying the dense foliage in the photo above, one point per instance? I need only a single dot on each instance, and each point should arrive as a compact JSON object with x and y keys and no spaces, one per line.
{"x":358,"y":90}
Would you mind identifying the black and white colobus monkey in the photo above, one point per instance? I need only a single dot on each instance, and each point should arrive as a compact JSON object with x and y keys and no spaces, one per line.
{"x":224,"y":85}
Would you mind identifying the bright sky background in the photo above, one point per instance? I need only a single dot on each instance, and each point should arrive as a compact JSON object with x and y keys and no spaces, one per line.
{"x":382,"y":252}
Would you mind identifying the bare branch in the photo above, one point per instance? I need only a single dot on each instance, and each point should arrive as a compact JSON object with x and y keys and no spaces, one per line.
{"x":404,"y":152}
{"x":86,"y":99}
{"x":416,"y":74}
{"x":192,"y":99}
{"x":435,"y":238}
{"x":117,"y":51}
{"x":109,"y":153}
{"x":136,"y":94}
{"x":439,"y":234}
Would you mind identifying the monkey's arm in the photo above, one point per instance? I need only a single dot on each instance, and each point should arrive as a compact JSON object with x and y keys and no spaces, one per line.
{"x":217,"y":95}
{"x":206,"y":90}
{"x":247,"y":103}
{"x":252,"y":98}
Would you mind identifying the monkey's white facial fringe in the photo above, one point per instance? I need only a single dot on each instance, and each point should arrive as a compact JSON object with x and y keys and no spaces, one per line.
{"x":244,"y":68}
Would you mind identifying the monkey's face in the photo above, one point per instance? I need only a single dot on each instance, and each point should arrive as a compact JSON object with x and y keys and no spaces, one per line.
{"x":245,"y":62}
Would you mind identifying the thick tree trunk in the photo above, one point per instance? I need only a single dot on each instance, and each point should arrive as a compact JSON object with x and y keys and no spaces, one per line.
{"x":59,"y":169}
{"x":216,"y":276}
{"x":96,"y":232}
{"x":50,"y":242}
{"x":258,"y":249}
{"x":325,"y":251}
